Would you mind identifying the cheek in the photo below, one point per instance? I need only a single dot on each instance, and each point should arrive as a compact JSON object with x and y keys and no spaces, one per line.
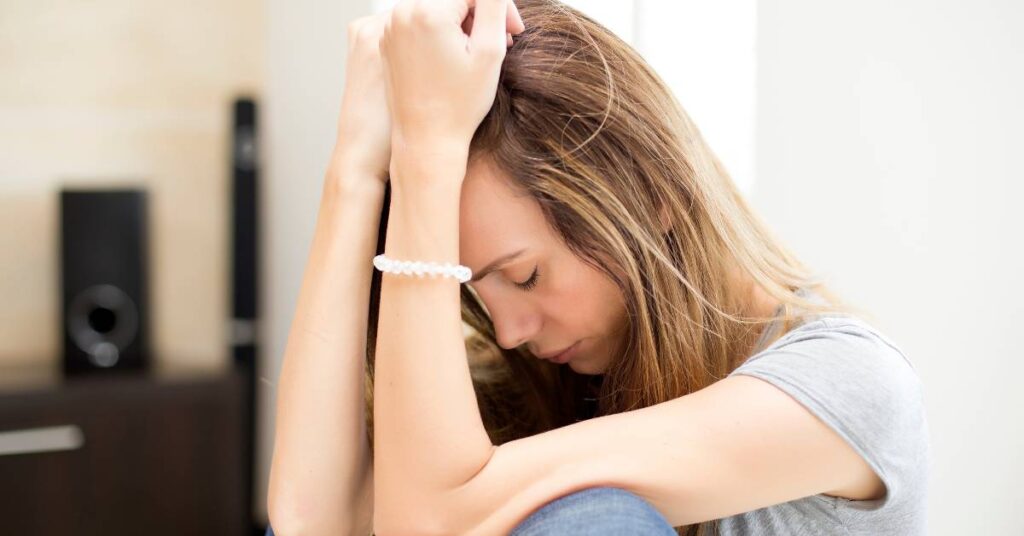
{"x":586,"y":299}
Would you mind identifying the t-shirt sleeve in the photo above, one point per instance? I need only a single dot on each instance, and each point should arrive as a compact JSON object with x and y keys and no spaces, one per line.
{"x":861,"y":385}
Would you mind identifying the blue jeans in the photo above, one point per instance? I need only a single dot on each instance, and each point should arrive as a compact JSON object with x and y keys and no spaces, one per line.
{"x":600,"y":511}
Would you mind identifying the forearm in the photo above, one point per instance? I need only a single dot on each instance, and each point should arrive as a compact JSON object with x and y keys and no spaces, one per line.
{"x":428,"y":433}
{"x":321,"y":465}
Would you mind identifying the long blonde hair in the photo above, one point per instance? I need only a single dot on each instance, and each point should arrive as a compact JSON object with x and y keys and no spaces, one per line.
{"x":588,"y":130}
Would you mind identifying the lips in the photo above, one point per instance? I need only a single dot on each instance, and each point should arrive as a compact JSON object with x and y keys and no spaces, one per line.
{"x":553,"y":356}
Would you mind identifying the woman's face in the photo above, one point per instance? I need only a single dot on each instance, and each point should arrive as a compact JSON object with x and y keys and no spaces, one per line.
{"x":560,"y":300}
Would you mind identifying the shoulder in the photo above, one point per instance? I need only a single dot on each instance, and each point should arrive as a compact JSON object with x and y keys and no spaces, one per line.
{"x":842,"y":344}
{"x":843,"y":365}
{"x":858,"y":381}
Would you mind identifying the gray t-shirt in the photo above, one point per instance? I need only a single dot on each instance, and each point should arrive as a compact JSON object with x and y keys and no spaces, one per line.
{"x":861,"y":385}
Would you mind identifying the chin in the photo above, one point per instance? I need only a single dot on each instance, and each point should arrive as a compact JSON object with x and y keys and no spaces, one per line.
{"x":583,"y":367}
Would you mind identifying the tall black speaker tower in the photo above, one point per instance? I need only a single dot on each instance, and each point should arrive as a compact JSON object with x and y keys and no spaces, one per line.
{"x":244,"y":334}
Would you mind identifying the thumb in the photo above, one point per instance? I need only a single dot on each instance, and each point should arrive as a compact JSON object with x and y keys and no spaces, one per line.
{"x":489,"y":24}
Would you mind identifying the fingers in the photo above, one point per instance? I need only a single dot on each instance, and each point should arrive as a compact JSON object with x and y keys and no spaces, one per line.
{"x":375,"y":25}
{"x":514,"y":23}
{"x":489,"y":24}
{"x":367,"y":28}
{"x":482,"y":18}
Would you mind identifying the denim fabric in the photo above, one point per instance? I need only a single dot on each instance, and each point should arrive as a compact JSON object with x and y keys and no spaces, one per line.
{"x":600,"y":511}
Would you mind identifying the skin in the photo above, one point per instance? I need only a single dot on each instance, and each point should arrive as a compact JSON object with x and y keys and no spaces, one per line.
{"x":570,"y":300}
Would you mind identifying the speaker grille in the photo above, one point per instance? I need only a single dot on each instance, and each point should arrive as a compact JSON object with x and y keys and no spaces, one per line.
{"x":103,"y":279}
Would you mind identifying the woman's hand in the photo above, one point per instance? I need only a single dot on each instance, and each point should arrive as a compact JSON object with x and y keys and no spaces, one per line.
{"x":363,"y":147}
{"x":440,"y":81}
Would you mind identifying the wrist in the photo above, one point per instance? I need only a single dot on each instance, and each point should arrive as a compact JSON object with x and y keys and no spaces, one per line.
{"x":435,"y":164}
{"x":428,"y":147}
{"x":350,"y":160}
{"x":348,"y":179}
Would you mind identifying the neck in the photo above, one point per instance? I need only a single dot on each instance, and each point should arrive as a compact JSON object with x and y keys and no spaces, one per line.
{"x":757,"y":304}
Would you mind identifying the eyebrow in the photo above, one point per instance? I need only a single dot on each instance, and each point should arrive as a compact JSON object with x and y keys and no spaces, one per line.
{"x":497,"y":264}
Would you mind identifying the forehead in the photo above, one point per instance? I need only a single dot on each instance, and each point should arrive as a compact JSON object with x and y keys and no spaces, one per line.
{"x":493,"y":218}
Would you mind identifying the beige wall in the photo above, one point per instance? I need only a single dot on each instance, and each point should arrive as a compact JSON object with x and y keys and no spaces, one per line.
{"x":122,"y":93}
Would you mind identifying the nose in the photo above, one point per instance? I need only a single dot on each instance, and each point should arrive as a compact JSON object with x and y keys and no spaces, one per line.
{"x":514,"y":323}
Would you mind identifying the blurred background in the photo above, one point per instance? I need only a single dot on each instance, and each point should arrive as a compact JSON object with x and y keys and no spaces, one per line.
{"x":160,"y":172}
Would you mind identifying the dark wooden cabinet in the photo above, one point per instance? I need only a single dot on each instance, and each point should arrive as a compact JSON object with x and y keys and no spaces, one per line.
{"x":135,"y":454}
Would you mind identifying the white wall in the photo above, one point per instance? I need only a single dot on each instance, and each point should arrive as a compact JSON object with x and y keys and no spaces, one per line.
{"x":705,"y":52}
{"x":888,"y":147}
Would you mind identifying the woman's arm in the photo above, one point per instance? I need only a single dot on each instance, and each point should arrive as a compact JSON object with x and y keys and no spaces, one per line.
{"x":429,"y":437}
{"x":428,"y":434}
{"x":321,"y":479}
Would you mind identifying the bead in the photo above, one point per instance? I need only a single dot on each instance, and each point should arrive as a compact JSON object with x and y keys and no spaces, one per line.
{"x":422,"y":269}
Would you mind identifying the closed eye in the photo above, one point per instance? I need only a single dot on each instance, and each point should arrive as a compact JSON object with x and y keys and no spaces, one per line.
{"x":530,"y":283}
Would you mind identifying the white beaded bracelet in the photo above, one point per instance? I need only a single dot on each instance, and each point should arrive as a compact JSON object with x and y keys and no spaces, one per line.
{"x":421,"y":268}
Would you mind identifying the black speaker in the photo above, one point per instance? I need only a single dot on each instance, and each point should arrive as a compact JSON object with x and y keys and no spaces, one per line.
{"x":103,"y":265}
{"x":244,"y":322}
{"x":244,"y":232}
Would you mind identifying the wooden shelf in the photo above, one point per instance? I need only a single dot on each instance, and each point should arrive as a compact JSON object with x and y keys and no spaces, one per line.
{"x":124,"y":454}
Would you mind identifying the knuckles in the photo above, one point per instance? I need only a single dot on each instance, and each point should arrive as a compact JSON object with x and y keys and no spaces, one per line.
{"x":417,"y":14}
{"x":414,"y":16}
{"x":491,"y":52}
{"x":364,"y":33}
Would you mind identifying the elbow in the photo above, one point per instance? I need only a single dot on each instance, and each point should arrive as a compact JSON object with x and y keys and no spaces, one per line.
{"x":284,"y":518}
{"x":415,"y":521}
{"x":286,"y":523}
{"x":299,"y":512}
{"x":294,"y":527}
{"x":294,"y":516}
{"x":402,"y":510}
{"x":292,"y":522}
{"x":410,"y":529}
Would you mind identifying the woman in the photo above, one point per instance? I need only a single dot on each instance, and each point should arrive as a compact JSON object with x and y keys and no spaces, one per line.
{"x":645,"y":356}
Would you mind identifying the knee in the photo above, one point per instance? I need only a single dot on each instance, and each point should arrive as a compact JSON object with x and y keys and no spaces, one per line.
{"x":595,"y":511}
